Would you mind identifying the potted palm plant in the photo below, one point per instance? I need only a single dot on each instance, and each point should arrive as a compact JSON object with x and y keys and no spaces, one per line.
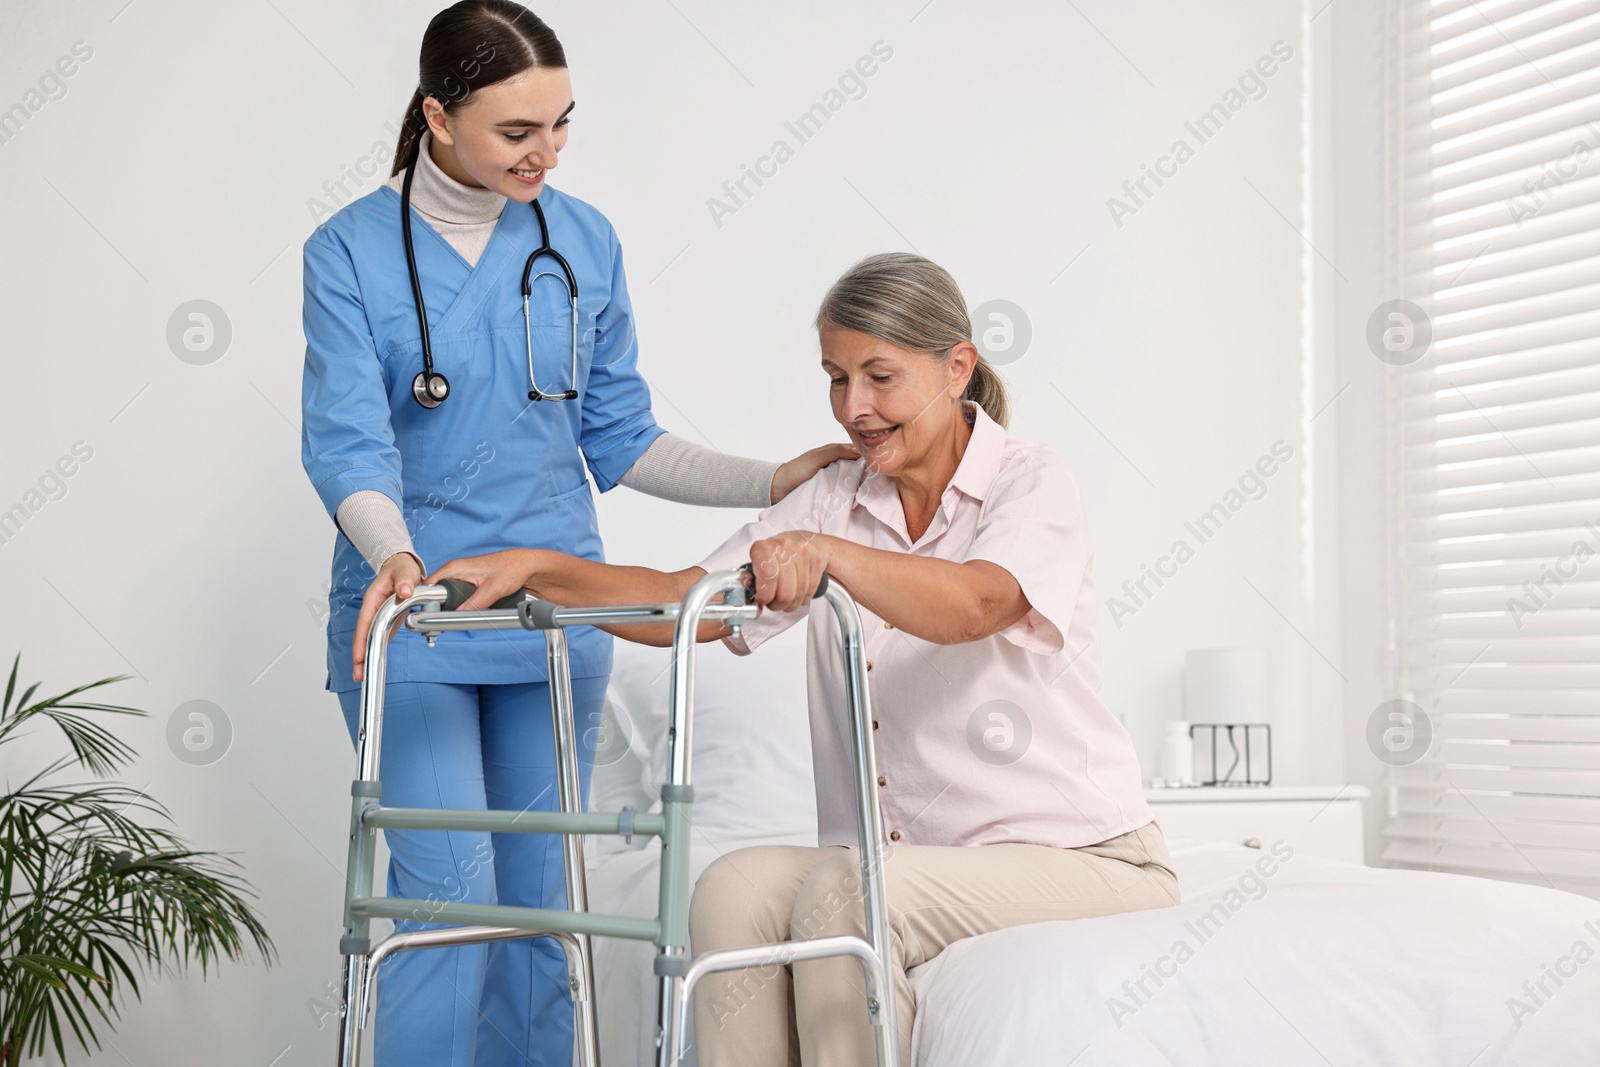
{"x":94,"y":885}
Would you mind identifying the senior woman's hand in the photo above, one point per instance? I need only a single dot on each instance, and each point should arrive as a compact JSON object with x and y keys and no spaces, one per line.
{"x":789,"y":567}
{"x":802,"y":468}
{"x":497,"y":575}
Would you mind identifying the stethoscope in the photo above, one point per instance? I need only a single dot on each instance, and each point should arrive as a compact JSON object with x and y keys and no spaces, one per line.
{"x":430,"y":387}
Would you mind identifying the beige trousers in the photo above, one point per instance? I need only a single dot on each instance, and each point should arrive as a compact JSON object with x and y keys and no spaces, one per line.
{"x":814,"y":1013}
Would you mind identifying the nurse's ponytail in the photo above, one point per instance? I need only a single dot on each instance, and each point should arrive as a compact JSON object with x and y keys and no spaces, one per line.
{"x":912,"y":303}
{"x":466,"y":47}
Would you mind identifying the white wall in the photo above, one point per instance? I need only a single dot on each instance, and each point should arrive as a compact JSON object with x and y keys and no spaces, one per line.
{"x":1168,"y":352}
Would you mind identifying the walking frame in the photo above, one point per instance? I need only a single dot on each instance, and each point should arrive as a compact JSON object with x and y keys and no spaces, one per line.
{"x":573,"y":926}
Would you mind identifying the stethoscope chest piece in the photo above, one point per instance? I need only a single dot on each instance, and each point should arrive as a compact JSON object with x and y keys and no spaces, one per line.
{"x":430,"y":388}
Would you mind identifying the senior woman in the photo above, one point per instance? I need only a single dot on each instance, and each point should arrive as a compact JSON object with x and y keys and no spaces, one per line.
{"x":1009,"y":791}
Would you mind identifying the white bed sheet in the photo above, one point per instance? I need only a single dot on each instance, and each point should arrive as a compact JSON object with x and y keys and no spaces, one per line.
{"x":1318,"y":963}
{"x":1323,"y":963}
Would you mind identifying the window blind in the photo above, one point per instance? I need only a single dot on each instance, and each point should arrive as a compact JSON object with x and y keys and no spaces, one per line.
{"x":1498,"y":439}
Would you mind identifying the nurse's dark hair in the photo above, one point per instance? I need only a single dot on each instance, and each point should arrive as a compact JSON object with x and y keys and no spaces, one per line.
{"x":466,"y":47}
{"x":912,"y":303}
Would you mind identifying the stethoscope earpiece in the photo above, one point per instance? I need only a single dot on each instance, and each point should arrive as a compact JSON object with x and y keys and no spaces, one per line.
{"x":430,"y":389}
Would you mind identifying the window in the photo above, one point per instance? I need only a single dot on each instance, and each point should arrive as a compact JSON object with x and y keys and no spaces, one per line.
{"x":1498,"y":438}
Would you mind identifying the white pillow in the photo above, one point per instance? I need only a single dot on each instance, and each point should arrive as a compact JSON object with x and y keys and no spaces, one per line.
{"x":752,"y":742}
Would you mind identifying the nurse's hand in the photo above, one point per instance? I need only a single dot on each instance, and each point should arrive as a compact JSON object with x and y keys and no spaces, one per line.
{"x":396,"y":578}
{"x":497,"y":575}
{"x":789,"y":568}
{"x":801,"y":468}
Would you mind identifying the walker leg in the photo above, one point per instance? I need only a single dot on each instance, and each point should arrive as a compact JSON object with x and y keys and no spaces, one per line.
{"x":677,"y":803}
{"x":887,"y":1034}
{"x":672,"y":956}
{"x":671,"y":1037}
{"x":353,"y":1015}
{"x":586,"y":1025}
{"x":355,"y":945}
{"x":869,"y":821}
{"x":362,"y":852}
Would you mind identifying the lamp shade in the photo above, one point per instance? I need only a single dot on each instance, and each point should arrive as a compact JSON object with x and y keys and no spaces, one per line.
{"x":1227,"y":685}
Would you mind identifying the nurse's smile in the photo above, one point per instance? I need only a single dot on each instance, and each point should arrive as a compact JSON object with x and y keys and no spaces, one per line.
{"x":507,"y":136}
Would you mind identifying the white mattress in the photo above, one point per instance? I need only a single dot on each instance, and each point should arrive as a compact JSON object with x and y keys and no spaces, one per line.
{"x":1320,"y":962}
{"x":1325,"y":962}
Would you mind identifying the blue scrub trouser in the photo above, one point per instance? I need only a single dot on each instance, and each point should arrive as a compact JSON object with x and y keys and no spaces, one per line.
{"x":476,"y":746}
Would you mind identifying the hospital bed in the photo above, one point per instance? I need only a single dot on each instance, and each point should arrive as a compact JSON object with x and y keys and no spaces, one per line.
{"x":433,"y":610}
{"x":1316,"y":963}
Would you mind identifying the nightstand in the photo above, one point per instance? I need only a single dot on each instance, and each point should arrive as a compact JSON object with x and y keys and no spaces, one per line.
{"x":1317,"y":820}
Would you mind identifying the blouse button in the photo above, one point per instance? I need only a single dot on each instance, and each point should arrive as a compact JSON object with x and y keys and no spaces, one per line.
{"x":888,"y":625}
{"x":882,"y":780}
{"x":894,"y":835}
{"x":869,"y":664}
{"x":874,"y":724}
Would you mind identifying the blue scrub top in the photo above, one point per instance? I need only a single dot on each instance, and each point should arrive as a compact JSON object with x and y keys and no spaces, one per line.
{"x":487,"y":469}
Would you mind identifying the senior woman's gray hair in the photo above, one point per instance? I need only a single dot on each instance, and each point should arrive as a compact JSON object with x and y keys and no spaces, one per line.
{"x":912,"y":303}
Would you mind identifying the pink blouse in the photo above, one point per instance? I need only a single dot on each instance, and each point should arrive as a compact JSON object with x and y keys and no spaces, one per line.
{"x":1003,"y":739}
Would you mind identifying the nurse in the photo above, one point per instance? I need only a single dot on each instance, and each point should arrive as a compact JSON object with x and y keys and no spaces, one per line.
{"x":467,"y":724}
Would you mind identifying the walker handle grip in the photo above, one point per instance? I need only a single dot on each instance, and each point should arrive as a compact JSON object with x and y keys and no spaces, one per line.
{"x":458,"y":591}
{"x":750,"y":585}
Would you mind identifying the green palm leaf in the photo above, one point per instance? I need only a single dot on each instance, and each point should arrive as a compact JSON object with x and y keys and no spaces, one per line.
{"x":96,"y":888}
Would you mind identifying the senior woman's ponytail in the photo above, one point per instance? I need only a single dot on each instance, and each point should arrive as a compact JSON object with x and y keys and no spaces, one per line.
{"x":466,"y":47}
{"x":912,"y":303}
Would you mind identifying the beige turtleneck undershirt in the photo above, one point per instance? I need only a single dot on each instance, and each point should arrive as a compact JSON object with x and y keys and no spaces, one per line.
{"x":673,"y":467}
